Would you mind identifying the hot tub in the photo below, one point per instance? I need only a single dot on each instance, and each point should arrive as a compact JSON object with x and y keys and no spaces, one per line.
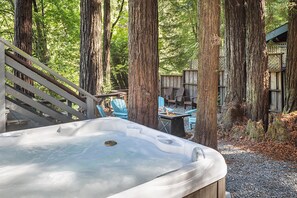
{"x":107,"y":157}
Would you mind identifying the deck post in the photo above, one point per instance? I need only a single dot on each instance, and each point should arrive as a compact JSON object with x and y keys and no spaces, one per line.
{"x":2,"y":89}
{"x":69,"y":103}
{"x":91,"y":105}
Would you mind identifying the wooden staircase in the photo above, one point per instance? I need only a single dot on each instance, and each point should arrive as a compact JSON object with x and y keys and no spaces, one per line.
{"x":55,"y":99}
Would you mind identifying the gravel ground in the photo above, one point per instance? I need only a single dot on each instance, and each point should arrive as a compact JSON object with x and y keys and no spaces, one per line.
{"x":254,"y":175}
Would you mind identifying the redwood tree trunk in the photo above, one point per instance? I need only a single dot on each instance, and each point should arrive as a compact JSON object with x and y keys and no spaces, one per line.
{"x":91,"y":71}
{"x":235,"y":61}
{"x":143,"y":62}
{"x":23,"y":33}
{"x":256,"y":56}
{"x":23,"y":25}
{"x":106,"y":42}
{"x":209,"y":41}
{"x":291,"y":70}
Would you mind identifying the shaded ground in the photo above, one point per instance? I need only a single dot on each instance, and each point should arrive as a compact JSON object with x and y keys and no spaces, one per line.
{"x":252,"y":174}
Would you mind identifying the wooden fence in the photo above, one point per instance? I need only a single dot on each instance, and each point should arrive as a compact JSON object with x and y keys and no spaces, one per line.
{"x":277,"y":81}
{"x":189,"y":79}
{"x":166,"y":81}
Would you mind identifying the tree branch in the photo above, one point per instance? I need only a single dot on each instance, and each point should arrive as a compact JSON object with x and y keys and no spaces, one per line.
{"x":118,"y":18}
{"x":35,"y":6}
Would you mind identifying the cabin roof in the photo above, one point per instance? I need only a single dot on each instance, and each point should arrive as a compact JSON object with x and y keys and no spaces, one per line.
{"x":278,"y":35}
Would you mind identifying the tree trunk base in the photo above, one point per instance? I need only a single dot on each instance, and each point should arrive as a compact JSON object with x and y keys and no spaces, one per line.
{"x":232,"y":113}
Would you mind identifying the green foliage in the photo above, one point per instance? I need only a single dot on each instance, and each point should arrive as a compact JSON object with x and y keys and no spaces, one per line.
{"x":177,"y":34}
{"x":119,"y":42}
{"x":119,"y":53}
{"x":276,"y":14}
{"x":62,"y":19}
{"x":6,"y":19}
{"x":120,"y":77}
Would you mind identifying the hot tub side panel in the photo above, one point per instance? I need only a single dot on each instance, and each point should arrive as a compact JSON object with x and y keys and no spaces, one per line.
{"x":214,"y":190}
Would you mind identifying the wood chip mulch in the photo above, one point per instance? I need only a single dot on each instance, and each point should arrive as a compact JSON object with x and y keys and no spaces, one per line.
{"x":271,"y":149}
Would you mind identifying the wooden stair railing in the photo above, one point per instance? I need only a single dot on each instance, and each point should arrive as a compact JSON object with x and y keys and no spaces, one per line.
{"x":40,"y":73}
{"x":67,"y":101}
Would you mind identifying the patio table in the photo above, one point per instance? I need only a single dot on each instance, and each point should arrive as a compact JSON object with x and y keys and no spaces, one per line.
{"x":173,"y":123}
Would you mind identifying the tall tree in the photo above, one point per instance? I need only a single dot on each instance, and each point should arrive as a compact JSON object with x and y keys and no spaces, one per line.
{"x":91,"y":70}
{"x":23,"y":25}
{"x":40,"y":39}
{"x":256,"y":56}
{"x":106,"y":42}
{"x":143,"y":62}
{"x":235,"y":61}
{"x":208,"y":56}
{"x":291,"y":70}
{"x":23,"y":33}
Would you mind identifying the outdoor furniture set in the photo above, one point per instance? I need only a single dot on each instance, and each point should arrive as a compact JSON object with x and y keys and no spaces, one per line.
{"x":179,"y":98}
{"x":169,"y":121}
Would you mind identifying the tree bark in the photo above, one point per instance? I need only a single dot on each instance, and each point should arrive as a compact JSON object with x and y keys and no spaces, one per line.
{"x":235,"y":61}
{"x":106,"y":42}
{"x":91,"y":70}
{"x":208,"y":56}
{"x":291,"y":69}
{"x":143,"y":62}
{"x":23,"y":25}
{"x":256,"y":56}
{"x":41,"y":50}
{"x":23,"y":34}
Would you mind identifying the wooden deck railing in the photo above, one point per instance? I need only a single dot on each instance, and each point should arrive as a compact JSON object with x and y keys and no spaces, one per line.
{"x":55,"y":100}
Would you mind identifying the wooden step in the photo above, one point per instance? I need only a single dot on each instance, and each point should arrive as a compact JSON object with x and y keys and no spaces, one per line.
{"x":16,"y":106}
{"x":16,"y":122}
{"x":14,"y":125}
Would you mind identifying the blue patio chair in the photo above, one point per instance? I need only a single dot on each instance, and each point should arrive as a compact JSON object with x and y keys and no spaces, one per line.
{"x":119,"y":108}
{"x":161,"y":104}
{"x":101,"y":111}
{"x":192,"y":118}
{"x":161,"y":101}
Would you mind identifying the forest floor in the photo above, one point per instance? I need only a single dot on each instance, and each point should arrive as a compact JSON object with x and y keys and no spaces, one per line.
{"x":265,"y":167}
